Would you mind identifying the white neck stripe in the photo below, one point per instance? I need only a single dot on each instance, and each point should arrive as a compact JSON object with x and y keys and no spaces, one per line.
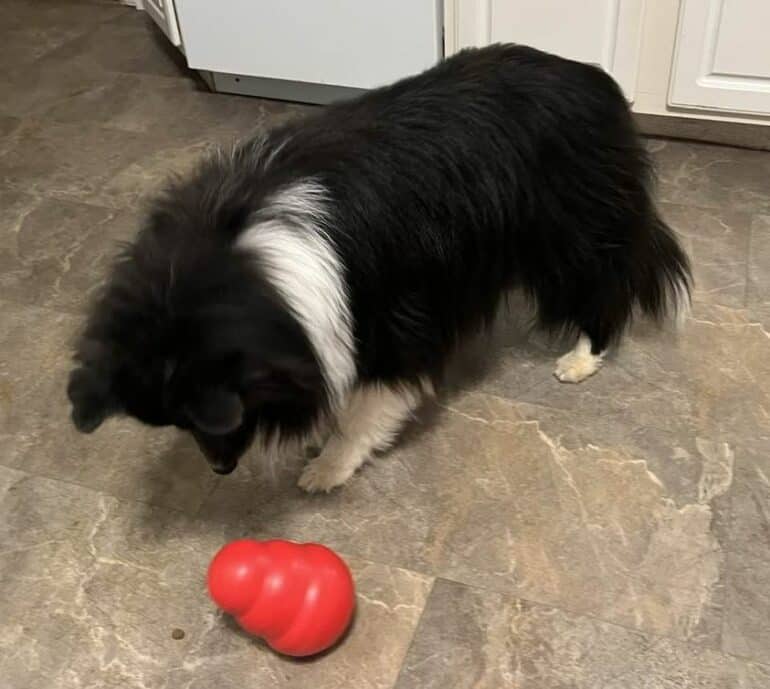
{"x":288,"y":238}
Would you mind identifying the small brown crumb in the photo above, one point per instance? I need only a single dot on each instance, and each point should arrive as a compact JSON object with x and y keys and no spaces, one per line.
{"x":177,"y":634}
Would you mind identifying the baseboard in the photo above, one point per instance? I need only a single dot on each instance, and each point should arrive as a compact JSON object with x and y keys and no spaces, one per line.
{"x":755,"y":136}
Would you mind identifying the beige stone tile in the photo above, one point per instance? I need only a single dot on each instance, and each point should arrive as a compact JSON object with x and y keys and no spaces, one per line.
{"x":712,"y":176}
{"x":717,"y":242}
{"x":663,"y":396}
{"x":50,"y":82}
{"x":90,"y":593}
{"x":472,"y":638}
{"x":70,"y":162}
{"x":91,"y":164}
{"x":93,"y":589}
{"x":56,"y":253}
{"x":150,"y":51}
{"x":29,"y":30}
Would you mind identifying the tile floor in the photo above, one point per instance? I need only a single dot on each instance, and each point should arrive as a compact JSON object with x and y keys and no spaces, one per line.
{"x":525,"y":534}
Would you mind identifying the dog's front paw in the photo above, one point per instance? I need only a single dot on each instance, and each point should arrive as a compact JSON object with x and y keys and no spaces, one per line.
{"x":322,"y":475}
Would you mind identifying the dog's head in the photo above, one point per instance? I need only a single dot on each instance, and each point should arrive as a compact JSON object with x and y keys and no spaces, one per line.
{"x":187,"y":332}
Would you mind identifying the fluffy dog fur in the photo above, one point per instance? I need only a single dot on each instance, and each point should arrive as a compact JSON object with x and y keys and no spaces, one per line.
{"x":326,"y":269}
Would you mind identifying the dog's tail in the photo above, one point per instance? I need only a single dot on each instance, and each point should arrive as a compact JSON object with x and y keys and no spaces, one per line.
{"x":665,"y":277}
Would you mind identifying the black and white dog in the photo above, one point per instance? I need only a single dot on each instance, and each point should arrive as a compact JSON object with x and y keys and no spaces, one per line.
{"x":324,"y":271}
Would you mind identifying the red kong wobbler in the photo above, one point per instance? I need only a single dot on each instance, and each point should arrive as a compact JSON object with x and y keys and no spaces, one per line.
{"x":298,"y":597}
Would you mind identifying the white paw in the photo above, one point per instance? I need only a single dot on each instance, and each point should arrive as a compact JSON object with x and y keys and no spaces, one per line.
{"x":322,"y":475}
{"x":577,"y":365}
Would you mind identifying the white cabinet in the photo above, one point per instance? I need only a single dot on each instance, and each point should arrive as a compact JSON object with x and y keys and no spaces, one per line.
{"x":702,"y":59}
{"x":602,"y":32}
{"x":722,"y":56}
{"x":163,"y":14}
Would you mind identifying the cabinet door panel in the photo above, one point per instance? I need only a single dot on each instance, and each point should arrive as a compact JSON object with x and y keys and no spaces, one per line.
{"x":163,"y":14}
{"x":602,"y":32}
{"x":722,"y":58}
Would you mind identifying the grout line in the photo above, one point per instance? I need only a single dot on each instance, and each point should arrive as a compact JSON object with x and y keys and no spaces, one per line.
{"x":415,"y":633}
{"x":513,"y":597}
{"x":749,"y":251}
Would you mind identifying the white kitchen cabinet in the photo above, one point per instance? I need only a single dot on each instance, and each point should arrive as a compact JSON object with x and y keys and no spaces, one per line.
{"x":722,"y":56}
{"x":164,"y":15}
{"x":602,"y":32}
{"x":697,"y":59}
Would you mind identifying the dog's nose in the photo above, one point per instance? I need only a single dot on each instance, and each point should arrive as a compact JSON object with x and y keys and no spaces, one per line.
{"x":222,"y":452}
{"x":223,"y":468}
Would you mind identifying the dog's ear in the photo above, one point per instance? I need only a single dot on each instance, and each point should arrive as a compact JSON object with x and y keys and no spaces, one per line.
{"x":92,"y":401}
{"x":216,"y":411}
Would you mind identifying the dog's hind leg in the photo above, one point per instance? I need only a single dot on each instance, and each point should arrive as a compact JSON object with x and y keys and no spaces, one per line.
{"x":581,"y":362}
{"x":601,"y":323}
{"x":372,"y":420}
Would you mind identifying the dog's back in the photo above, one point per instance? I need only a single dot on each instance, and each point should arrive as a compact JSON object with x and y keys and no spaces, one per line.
{"x":359,"y":245}
{"x":501,"y":167}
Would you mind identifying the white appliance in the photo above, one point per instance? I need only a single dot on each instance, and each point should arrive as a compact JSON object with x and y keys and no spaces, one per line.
{"x":309,"y":50}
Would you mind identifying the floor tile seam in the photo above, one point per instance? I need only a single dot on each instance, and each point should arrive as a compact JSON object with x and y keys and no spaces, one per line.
{"x":654,"y":636}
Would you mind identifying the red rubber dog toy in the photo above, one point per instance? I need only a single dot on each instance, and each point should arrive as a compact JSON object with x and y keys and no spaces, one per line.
{"x":299,"y":597}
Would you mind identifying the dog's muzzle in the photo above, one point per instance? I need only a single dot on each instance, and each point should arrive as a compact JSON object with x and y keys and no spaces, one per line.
{"x":218,"y":453}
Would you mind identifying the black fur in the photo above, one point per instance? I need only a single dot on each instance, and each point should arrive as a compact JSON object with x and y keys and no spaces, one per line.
{"x":500,"y":168}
